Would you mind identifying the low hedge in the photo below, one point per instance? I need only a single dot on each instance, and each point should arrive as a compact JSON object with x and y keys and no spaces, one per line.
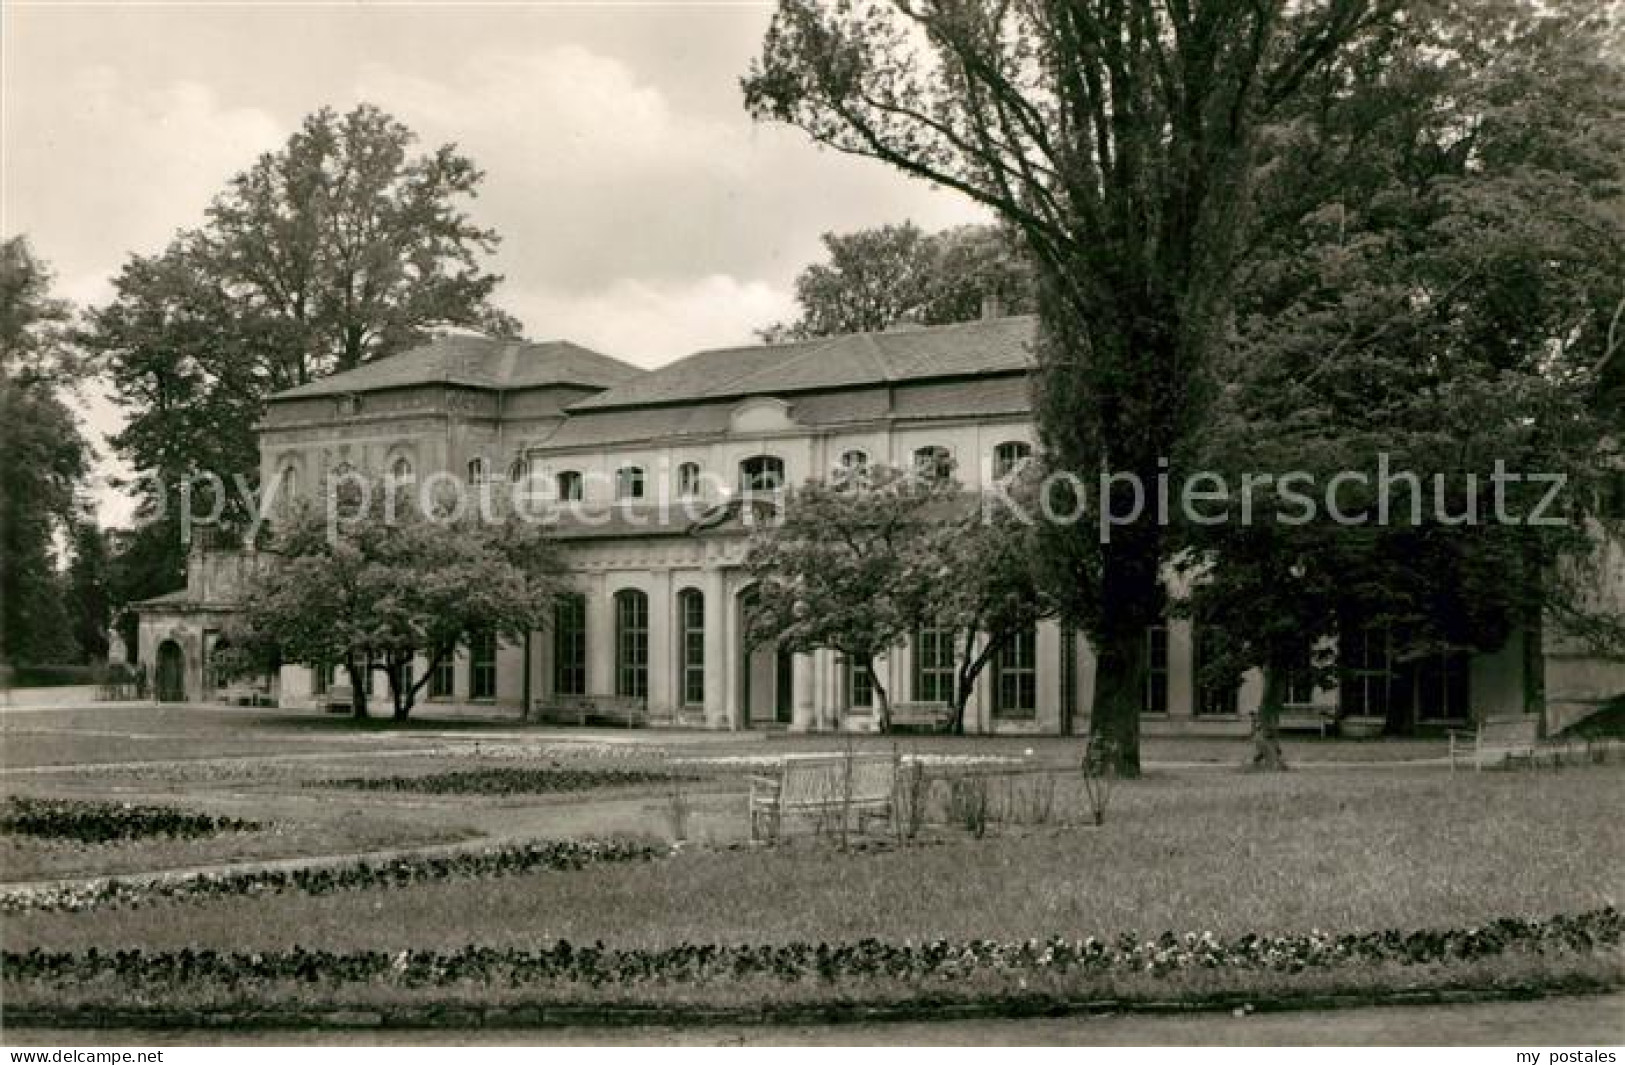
{"x":507,"y":781}
{"x":351,"y":876}
{"x":57,"y":676}
{"x":936,"y":962}
{"x":109,"y":822}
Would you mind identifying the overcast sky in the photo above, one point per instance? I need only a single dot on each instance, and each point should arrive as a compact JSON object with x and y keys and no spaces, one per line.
{"x":642,"y":213}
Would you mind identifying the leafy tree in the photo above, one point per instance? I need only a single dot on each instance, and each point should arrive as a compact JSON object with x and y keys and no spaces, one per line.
{"x":386,"y":584}
{"x":1117,"y":140}
{"x":1441,"y":304}
{"x":340,"y":248}
{"x":344,"y":246}
{"x":86,"y":584}
{"x":876,"y":278}
{"x":845,"y":567}
{"x":983,"y":581}
{"x":45,"y":459}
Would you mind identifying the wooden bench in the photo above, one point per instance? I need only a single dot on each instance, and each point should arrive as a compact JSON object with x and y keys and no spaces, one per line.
{"x":1304,"y":717}
{"x":820,"y":785}
{"x":626,"y":711}
{"x":921,"y":717}
{"x":1498,"y":741}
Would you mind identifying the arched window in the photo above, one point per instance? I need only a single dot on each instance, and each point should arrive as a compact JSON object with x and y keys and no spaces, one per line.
{"x":1009,"y":457}
{"x":569,"y":485}
{"x":934,"y":462}
{"x":631,"y":644}
{"x":401,"y":469}
{"x":761,"y":473}
{"x":629,"y":482}
{"x":478,"y":471}
{"x":691,"y":615}
{"x":519,"y":472}
{"x":1015,"y":689}
{"x":287,"y":488}
{"x":853,"y":467}
{"x":688,"y":480}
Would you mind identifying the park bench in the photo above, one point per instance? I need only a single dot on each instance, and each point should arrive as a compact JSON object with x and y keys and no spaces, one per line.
{"x":1305,"y":717}
{"x":626,"y":711}
{"x":921,"y":717}
{"x":1497,"y":741}
{"x":339,"y":697}
{"x":820,"y":786}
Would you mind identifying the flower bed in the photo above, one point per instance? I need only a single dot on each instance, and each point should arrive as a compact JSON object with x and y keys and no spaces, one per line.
{"x":106,"y":822}
{"x":351,"y":876}
{"x":503,"y":780}
{"x":936,"y":963}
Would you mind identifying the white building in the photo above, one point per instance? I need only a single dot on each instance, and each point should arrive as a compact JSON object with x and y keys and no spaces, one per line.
{"x":661,"y":595}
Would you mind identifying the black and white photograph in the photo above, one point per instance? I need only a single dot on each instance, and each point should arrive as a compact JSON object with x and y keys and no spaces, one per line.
{"x":811,"y":523}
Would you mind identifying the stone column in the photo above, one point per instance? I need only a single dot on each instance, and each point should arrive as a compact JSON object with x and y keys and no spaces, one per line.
{"x":718,"y":660}
{"x":801,"y":689}
{"x":600,"y":637}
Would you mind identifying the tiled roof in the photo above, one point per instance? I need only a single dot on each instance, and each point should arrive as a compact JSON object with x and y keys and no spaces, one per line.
{"x":967,"y":349}
{"x":479,"y":362}
{"x":1004,"y":394}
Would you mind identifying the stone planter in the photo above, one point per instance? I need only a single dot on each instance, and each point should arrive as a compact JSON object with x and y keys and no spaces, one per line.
{"x":1360,"y":727}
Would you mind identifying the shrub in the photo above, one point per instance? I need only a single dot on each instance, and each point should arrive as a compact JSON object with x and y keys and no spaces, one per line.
{"x":936,"y":961}
{"x":100,"y":822}
{"x":507,"y":781}
{"x":321,"y":880}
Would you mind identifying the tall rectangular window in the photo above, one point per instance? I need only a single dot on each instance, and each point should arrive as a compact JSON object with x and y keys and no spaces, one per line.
{"x":1216,"y":696}
{"x":860,"y":689}
{"x":442,"y":678}
{"x":934,"y":665}
{"x":691,"y":604}
{"x":1155,"y":700}
{"x":1016,"y":672}
{"x":570,"y":646}
{"x":482,"y":665}
{"x":319,"y":674}
{"x":1365,"y":667}
{"x":632,"y":644}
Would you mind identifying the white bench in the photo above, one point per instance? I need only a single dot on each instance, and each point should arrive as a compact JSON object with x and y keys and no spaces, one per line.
{"x":1302,"y":717}
{"x":1497,"y":741}
{"x":822,"y":784}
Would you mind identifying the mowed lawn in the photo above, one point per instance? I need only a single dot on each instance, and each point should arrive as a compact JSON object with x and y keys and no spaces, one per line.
{"x":1230,"y":853}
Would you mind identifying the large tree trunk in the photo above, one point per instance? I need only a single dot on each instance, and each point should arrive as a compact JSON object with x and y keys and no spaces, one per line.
{"x":397,"y":688}
{"x":882,"y":700}
{"x":1130,"y":601}
{"x":1114,"y":718}
{"x":1266,"y":755}
{"x":358,"y":689}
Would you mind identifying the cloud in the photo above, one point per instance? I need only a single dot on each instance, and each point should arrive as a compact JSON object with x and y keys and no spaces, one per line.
{"x":121,"y":169}
{"x":652,"y":323}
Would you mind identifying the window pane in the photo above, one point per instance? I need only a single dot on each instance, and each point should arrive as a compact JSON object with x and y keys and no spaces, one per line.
{"x":1155,"y":699}
{"x":933,"y":665}
{"x":1016,"y":666}
{"x":763,"y":473}
{"x":693,"y":616}
{"x":632,"y":644}
{"x":570,"y":646}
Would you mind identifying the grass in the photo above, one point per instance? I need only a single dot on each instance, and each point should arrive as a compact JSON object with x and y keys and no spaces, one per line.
{"x":24,"y":859}
{"x":1220,"y":852}
{"x":1342,"y":844}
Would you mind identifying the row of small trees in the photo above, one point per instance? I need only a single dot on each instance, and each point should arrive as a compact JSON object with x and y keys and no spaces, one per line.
{"x":856,"y":566}
{"x":371,"y":590}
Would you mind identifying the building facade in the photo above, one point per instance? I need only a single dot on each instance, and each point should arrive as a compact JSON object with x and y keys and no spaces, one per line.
{"x":664,"y":468}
